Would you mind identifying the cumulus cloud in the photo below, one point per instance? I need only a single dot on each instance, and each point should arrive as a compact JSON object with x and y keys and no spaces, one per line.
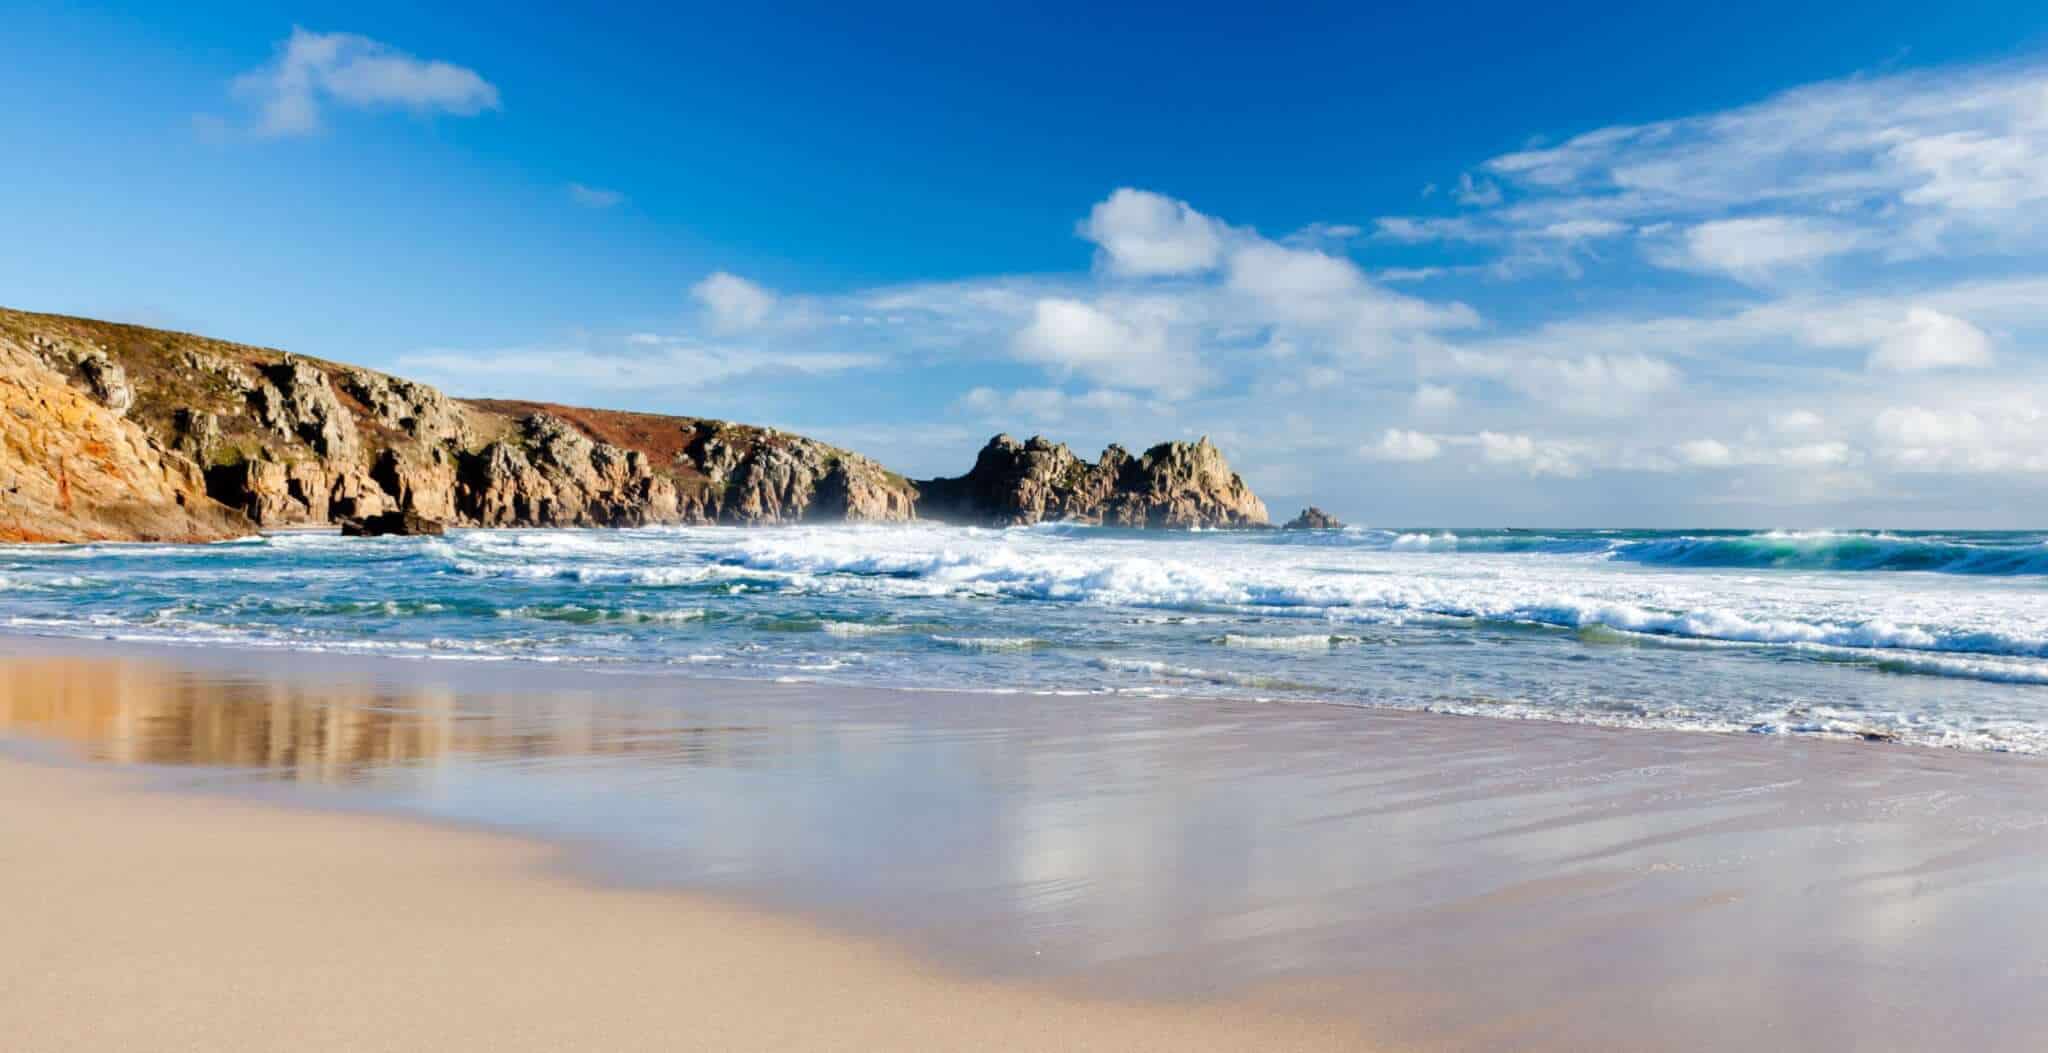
{"x":1402,"y":446}
{"x":1434,"y":398}
{"x":733,"y":302}
{"x":1757,"y":247}
{"x":1929,"y":339}
{"x":315,"y":70}
{"x":1123,"y":343}
{"x":1144,"y":234}
{"x":1535,"y":456}
{"x":1706,"y":453}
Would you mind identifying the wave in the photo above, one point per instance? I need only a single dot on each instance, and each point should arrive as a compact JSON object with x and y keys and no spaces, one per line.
{"x":1827,"y":550}
{"x":1994,"y":554}
{"x":1255,"y":587}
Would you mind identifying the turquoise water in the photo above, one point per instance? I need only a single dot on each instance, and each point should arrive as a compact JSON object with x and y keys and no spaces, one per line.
{"x":1928,"y":638}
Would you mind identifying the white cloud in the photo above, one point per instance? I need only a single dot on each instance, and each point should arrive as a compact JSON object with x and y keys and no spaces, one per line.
{"x":1706,"y":453}
{"x":1930,"y":339}
{"x":1536,"y":456}
{"x":313,"y":70}
{"x":1756,"y":247}
{"x":1798,"y":422}
{"x":1478,"y":192}
{"x":1594,"y":383}
{"x":1903,"y":165}
{"x":1713,"y":453}
{"x":594,"y":197}
{"x":649,"y":363}
{"x":1402,"y":446}
{"x":1434,"y":398}
{"x":1144,"y":234}
{"x":1122,"y":343}
{"x":734,"y":302}
{"x":1051,"y":405}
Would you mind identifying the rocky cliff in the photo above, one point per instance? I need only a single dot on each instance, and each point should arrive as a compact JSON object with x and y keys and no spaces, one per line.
{"x":1173,"y":485}
{"x":73,"y":468}
{"x":117,"y":431}
{"x":120,"y":432}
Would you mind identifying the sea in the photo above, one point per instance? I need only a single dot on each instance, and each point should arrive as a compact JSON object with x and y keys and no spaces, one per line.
{"x":1934,"y":639}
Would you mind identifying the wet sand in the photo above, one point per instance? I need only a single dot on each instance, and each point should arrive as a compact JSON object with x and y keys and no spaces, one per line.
{"x":730,"y":865}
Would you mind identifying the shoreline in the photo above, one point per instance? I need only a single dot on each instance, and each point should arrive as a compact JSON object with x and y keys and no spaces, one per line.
{"x":1320,"y":876}
{"x":573,"y":668}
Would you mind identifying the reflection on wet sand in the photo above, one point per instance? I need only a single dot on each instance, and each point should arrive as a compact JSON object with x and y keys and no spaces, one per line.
{"x":149,"y":712}
{"x":1521,"y":885}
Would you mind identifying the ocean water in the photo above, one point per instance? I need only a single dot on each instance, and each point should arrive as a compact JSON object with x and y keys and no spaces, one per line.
{"x":1937,"y":639}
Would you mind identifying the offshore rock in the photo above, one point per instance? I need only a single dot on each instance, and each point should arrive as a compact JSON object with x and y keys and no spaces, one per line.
{"x":1313,"y":518}
{"x":1175,"y":485}
{"x":393,"y":524}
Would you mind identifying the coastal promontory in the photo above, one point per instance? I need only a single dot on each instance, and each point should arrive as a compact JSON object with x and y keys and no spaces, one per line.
{"x":119,"y":432}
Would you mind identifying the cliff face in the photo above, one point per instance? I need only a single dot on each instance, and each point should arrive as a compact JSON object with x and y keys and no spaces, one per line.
{"x":1174,"y":485}
{"x":116,"y":432}
{"x":72,"y":468}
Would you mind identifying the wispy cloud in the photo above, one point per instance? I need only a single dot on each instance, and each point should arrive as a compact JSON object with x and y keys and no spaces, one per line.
{"x":594,"y":197}
{"x":314,"y":71}
{"x":1906,"y":165}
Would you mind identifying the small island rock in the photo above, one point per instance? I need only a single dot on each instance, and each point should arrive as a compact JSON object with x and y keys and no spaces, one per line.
{"x":1313,"y":518}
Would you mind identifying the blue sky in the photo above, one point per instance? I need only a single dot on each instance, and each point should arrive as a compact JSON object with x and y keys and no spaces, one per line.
{"x":1749,"y":265}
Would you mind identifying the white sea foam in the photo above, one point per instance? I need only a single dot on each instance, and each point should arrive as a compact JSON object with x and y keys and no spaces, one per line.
{"x":1302,"y":642}
{"x":1753,"y":620}
{"x":992,"y":643}
{"x":851,"y":629}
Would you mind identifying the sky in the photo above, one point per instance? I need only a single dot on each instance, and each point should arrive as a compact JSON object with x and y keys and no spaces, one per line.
{"x":1737,"y":265}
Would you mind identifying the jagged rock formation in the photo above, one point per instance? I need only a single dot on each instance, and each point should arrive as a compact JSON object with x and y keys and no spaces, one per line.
{"x":1313,"y":518}
{"x":1174,"y":485}
{"x":120,"y":432}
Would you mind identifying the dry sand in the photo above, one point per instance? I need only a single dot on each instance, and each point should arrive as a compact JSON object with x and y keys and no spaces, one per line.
{"x":141,"y":920}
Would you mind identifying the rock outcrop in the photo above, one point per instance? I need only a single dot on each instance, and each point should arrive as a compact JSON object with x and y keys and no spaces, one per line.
{"x":116,"y":431}
{"x":73,"y":468}
{"x":1313,"y":518}
{"x":393,"y":524}
{"x":1178,"y":485}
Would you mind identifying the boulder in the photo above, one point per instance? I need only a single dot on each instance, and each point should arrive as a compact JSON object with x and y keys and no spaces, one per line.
{"x":399,"y":524}
{"x":1313,"y":518}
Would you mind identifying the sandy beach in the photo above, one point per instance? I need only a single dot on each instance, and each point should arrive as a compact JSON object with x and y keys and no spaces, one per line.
{"x":151,"y":921}
{"x":209,"y":849}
